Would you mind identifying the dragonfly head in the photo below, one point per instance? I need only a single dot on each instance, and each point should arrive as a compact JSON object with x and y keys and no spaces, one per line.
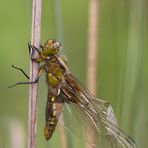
{"x":51,"y":47}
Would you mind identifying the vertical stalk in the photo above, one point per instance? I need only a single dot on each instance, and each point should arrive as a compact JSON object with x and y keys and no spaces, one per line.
{"x":34,"y":68}
{"x":63,"y":136}
{"x":133,"y":65}
{"x":92,"y":52}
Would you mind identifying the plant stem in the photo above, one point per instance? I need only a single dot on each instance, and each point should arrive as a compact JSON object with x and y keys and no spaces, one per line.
{"x":34,"y":68}
{"x":92,"y":49}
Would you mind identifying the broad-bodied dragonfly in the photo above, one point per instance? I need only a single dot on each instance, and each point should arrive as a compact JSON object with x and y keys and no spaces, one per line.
{"x":80,"y":109}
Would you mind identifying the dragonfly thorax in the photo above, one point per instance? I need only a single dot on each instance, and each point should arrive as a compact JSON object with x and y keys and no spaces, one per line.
{"x":51,"y":47}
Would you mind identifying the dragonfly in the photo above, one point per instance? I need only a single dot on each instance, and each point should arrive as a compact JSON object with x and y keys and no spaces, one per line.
{"x":69,"y":98}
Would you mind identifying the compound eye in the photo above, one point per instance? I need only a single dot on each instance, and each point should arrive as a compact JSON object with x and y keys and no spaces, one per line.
{"x":53,"y":41}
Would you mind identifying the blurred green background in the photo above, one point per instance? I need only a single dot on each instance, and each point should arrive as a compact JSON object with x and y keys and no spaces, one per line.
{"x":122,"y":59}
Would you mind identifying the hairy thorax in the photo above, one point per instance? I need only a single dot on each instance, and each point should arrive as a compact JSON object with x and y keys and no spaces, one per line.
{"x":55,"y":71}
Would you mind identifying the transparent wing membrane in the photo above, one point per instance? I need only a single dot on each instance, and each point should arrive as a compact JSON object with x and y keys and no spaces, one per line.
{"x":81,"y":110}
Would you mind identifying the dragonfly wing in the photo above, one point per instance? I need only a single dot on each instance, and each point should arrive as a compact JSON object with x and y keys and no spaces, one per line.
{"x":82,"y":110}
{"x":76,"y":121}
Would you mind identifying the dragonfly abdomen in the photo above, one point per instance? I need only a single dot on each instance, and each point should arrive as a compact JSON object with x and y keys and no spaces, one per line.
{"x":53,"y":111}
{"x":51,"y":120}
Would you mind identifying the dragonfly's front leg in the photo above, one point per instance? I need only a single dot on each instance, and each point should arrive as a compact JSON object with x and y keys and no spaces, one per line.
{"x":35,"y":81}
{"x":34,"y":48}
{"x":41,"y":56}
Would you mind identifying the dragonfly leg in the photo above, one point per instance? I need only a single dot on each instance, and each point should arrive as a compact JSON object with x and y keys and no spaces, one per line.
{"x":19,"y":83}
{"x":35,"y":81}
{"x":29,"y":48}
{"x":41,"y":57}
{"x":34,"y":48}
{"x":21,"y":71}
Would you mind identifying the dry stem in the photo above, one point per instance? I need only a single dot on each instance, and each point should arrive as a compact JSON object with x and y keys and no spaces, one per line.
{"x":92,"y":48}
{"x":34,"y":67}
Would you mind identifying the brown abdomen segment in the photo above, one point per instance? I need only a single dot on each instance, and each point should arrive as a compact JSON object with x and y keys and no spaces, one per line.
{"x":53,"y":111}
